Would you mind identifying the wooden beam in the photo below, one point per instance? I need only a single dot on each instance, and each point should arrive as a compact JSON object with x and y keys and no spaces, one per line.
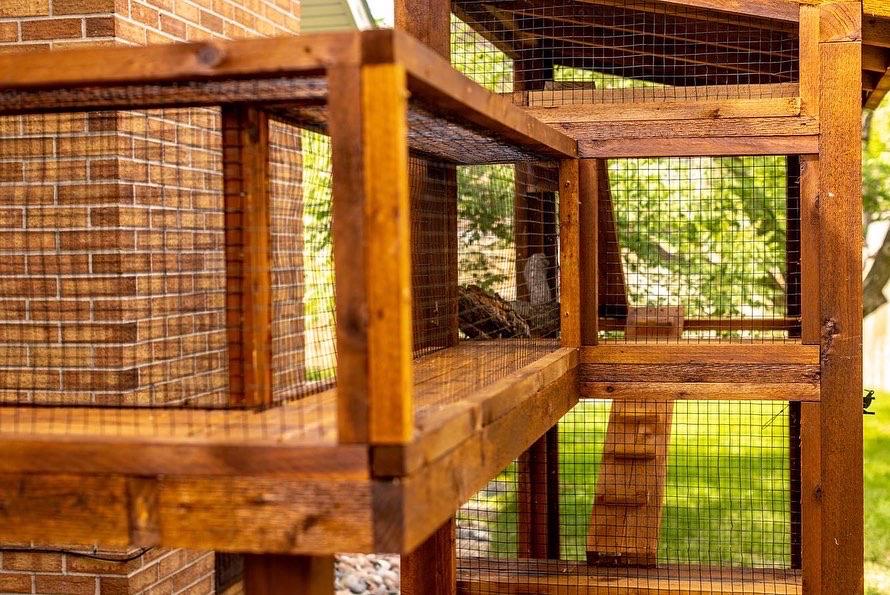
{"x":880,"y":91}
{"x":278,"y":574}
{"x":811,"y":497}
{"x":809,"y":249}
{"x":718,"y":128}
{"x":245,"y":133}
{"x":387,"y":241}
{"x":693,"y":147}
{"x":432,"y":566}
{"x":588,"y":184}
{"x":282,"y":56}
{"x":479,"y":576}
{"x":701,"y":352}
{"x":701,"y":372}
{"x":841,"y":310}
{"x":700,"y":391}
{"x":875,"y":59}
{"x":584,"y":106}
{"x":570,"y":262}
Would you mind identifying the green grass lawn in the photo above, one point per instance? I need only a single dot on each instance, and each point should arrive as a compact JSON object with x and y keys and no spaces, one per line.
{"x":877,"y":502}
{"x":726,"y":498}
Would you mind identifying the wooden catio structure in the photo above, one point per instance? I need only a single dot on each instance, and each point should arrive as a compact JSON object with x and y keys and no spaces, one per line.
{"x":384,"y":286}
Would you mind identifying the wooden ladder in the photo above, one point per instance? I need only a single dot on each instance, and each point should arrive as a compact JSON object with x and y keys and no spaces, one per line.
{"x":626,"y":514}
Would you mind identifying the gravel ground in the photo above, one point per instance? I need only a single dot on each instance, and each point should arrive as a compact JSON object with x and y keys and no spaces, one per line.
{"x":370,"y":574}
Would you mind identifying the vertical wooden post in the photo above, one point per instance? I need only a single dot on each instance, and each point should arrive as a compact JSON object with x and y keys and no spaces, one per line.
{"x":840,"y":209}
{"x":348,"y":186}
{"x":588,"y":193}
{"x":280,"y":574}
{"x":432,"y":568}
{"x":569,"y":254}
{"x":387,"y":258}
{"x":811,"y":497}
{"x":248,"y":262}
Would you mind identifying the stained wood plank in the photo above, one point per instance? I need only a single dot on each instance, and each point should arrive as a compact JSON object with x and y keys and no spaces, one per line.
{"x":351,"y":281}
{"x":840,"y":21}
{"x":811,"y":497}
{"x":570,"y":254}
{"x":278,"y":574}
{"x":702,"y":352}
{"x":782,"y":12}
{"x":720,"y":128}
{"x":248,"y":261}
{"x":484,"y":576}
{"x":432,"y":566}
{"x":692,"y":147}
{"x":841,"y":315}
{"x":588,"y":221}
{"x":387,"y":253}
{"x":547,"y":109}
{"x":660,"y":391}
{"x":740,"y":100}
{"x":810,"y":249}
{"x":306,"y":54}
{"x":702,"y":372}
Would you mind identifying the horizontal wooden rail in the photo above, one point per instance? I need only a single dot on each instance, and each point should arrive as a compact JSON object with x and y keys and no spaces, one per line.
{"x":698,"y":146}
{"x":700,"y":391}
{"x":716,"y":324}
{"x":701,"y":352}
{"x":545,"y":577}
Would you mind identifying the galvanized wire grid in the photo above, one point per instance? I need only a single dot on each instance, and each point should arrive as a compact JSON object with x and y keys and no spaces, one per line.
{"x":725,"y":511}
{"x":700,"y":248}
{"x":598,"y":51}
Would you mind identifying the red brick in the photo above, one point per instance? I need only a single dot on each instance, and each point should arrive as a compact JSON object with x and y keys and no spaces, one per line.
{"x":52,"y":29}
{"x":114,"y":586}
{"x":60,"y":310}
{"x":65,"y":585}
{"x":211,"y":21}
{"x":12,"y":171}
{"x":99,"y":333}
{"x":35,"y":562}
{"x":99,"y":380}
{"x":143,"y":14}
{"x":24,"y":8}
{"x":84,"y":565}
{"x":100,"y":27}
{"x":15,"y":583}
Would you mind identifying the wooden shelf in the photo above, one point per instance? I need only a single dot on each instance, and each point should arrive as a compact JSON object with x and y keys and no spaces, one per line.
{"x":189,"y":473}
{"x":542,"y":577}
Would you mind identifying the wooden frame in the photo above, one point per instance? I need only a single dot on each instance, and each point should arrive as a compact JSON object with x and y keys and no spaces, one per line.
{"x":288,"y":492}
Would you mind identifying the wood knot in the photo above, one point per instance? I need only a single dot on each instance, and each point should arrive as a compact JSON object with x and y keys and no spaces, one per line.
{"x":830,"y":330}
{"x":210,"y":55}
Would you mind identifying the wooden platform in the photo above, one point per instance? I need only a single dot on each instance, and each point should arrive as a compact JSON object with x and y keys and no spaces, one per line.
{"x":541,"y":577}
{"x":184,"y":478}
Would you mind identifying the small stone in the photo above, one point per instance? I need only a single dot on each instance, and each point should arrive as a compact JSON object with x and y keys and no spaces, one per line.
{"x":355,"y":585}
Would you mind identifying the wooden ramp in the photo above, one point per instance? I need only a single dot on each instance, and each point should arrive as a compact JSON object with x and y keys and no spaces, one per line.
{"x":627,"y":507}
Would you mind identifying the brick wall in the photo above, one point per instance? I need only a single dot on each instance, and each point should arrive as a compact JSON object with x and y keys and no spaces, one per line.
{"x":111,"y":262}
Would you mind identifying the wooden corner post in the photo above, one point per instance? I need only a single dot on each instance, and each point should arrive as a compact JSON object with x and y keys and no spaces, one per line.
{"x":840,"y":206}
{"x":245,"y":132}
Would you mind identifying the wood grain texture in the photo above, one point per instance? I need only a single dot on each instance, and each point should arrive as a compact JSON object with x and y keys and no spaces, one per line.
{"x":692,"y":147}
{"x":841,"y":316}
{"x":719,"y":128}
{"x":387,"y":253}
{"x":248,"y":254}
{"x":703,"y":391}
{"x":569,"y":254}
{"x":351,"y":280}
{"x":279,"y":574}
{"x":783,"y":12}
{"x":811,"y":497}
{"x":544,"y":105}
{"x":424,"y":505}
{"x":588,"y":187}
{"x":427,"y":21}
{"x":702,"y":372}
{"x":306,"y":54}
{"x":142,"y":494}
{"x":432,"y":566}
{"x":478,"y":576}
{"x":702,"y":352}
{"x":810,"y":249}
{"x":840,"y":21}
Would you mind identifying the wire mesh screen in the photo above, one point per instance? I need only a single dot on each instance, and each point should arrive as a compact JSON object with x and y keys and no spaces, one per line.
{"x":554,"y":53}
{"x":485,"y":272}
{"x":115,"y":277}
{"x":651,"y":496}
{"x":703,"y":248}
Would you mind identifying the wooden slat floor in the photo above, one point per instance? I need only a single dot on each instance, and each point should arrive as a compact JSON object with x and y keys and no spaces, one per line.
{"x":442,"y":380}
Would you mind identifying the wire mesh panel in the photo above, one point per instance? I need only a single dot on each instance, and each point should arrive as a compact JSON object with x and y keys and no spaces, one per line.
{"x":485,"y":275}
{"x":702,"y":248}
{"x":115,"y":283}
{"x":554,"y":53}
{"x":705,"y":499}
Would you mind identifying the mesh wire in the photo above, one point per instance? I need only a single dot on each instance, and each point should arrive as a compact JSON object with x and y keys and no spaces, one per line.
{"x":724,"y":507}
{"x":555,"y":53}
{"x":700,"y":248}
